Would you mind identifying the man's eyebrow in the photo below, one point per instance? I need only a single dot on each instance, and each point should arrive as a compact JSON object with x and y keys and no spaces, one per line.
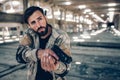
{"x":39,"y":17}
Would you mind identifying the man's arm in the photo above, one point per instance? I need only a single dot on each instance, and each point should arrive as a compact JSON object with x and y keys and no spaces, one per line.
{"x":63,"y":65}
{"x":24,"y":52}
{"x":63,"y":44}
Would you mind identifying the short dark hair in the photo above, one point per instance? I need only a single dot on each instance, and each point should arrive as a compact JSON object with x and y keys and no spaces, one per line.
{"x":29,"y":11}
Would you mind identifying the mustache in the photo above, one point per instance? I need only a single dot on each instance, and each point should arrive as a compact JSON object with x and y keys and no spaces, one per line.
{"x":40,"y":28}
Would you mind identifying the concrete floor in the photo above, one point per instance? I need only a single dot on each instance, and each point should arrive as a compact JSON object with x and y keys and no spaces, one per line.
{"x":93,"y":62}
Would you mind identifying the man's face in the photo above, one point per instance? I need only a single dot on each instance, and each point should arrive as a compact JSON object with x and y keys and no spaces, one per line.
{"x":37,"y":22}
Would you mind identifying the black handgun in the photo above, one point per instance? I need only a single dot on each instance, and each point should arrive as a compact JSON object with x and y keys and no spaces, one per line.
{"x":62,"y":56}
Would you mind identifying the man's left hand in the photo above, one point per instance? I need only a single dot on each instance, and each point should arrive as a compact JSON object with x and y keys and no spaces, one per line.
{"x":49,"y":63}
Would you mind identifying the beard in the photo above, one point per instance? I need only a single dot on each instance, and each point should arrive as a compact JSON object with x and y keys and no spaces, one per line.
{"x":42,"y":33}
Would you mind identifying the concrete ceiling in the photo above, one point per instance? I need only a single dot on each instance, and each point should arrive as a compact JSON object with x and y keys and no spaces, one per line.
{"x":99,"y":7}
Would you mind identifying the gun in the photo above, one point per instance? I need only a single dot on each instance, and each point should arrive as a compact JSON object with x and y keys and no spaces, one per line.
{"x":62,"y":56}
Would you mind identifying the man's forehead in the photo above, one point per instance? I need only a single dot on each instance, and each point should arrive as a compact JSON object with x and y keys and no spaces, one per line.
{"x":35,"y":16}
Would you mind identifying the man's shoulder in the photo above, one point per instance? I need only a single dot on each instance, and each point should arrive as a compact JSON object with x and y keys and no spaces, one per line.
{"x":59,"y":31}
{"x":61,"y":34}
{"x":30,"y":32}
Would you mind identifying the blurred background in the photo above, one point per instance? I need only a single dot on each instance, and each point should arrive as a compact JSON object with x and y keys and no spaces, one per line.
{"x":92,"y":25}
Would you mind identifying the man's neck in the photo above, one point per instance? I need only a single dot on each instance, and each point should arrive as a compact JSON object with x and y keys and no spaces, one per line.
{"x":49,"y":32}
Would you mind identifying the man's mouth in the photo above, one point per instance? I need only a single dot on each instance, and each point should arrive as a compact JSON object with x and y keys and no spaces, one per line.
{"x":41,"y":29}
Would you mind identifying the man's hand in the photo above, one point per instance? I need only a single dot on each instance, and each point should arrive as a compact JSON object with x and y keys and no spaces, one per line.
{"x":49,"y":60}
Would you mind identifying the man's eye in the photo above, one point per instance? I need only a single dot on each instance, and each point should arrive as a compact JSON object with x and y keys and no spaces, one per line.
{"x":33,"y":22}
{"x":39,"y":18}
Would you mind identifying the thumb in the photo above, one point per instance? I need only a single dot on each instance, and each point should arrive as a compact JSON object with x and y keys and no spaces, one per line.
{"x":53,"y":54}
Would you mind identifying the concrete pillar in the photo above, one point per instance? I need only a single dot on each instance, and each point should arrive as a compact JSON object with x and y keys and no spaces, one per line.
{"x":65,"y":22}
{"x":116,"y":21}
{"x":25,"y":4}
{"x":53,"y":16}
{"x":119,"y":23}
{"x":60,"y":22}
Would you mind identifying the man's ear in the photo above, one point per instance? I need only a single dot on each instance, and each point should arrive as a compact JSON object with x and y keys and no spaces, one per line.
{"x":28,"y":26}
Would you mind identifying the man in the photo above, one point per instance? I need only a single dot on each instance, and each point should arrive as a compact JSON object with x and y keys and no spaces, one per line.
{"x":40,"y":45}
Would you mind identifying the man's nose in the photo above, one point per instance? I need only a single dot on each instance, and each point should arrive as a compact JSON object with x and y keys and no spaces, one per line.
{"x":38,"y":24}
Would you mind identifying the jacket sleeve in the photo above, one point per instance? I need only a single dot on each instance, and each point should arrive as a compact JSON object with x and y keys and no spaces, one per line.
{"x":25,"y":53}
{"x":64,"y":45}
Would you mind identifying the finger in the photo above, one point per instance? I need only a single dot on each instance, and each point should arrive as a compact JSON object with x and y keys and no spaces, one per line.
{"x":53,"y":54}
{"x":50,"y":52}
{"x":44,"y":64}
{"x":52,"y":63}
{"x":44,"y":60}
{"x":47,"y":66}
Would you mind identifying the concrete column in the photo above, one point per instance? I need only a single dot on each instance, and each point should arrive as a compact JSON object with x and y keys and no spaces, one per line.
{"x":25,"y":4}
{"x":65,"y":22}
{"x":116,"y":21}
{"x":60,"y":22}
{"x":61,"y":14}
{"x":119,"y":23}
{"x":53,"y":19}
